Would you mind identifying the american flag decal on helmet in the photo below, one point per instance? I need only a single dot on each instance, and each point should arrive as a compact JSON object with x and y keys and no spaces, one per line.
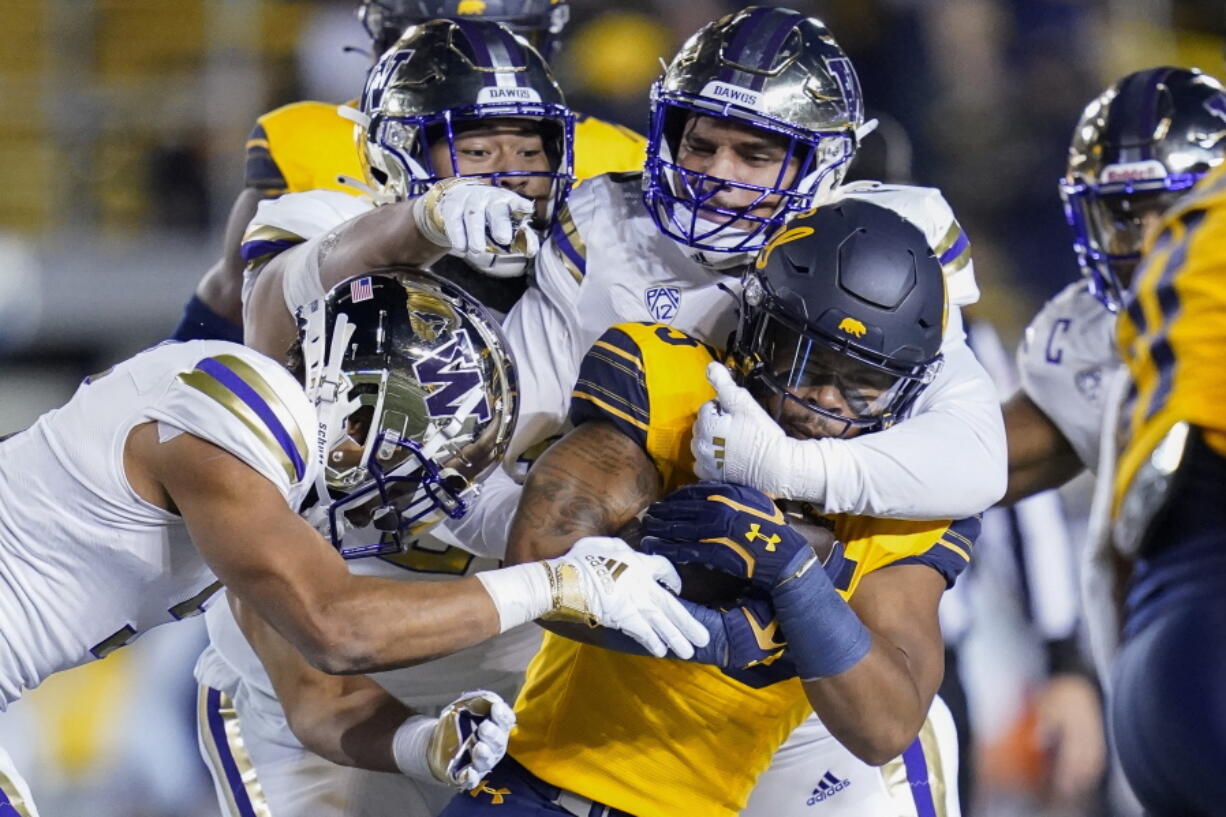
{"x":361,"y":290}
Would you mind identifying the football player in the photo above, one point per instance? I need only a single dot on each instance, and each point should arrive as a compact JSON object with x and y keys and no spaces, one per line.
{"x":184,"y":467}
{"x":1164,"y":511}
{"x":308,"y":145}
{"x":755,"y":120}
{"x":1138,"y":147}
{"x":456,"y":115}
{"x":840,"y":332}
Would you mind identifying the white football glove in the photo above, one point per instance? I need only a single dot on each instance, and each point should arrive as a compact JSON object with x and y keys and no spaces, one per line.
{"x":461,"y":746}
{"x":491,"y":227}
{"x":602,"y":582}
{"x":735,"y":440}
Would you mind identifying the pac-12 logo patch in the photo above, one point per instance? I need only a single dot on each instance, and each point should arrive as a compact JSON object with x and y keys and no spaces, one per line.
{"x":662,"y":302}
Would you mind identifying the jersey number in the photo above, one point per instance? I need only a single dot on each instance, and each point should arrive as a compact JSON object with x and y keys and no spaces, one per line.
{"x":126,"y":634}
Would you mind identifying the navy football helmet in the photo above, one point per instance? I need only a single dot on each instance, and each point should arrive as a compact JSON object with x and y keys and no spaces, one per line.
{"x":540,"y":22}
{"x":428,"y":399}
{"x":771,"y":69}
{"x":1138,"y":146}
{"x":850,"y":298}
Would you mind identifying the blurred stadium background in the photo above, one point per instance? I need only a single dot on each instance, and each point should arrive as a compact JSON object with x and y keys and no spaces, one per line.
{"x":121,"y":149}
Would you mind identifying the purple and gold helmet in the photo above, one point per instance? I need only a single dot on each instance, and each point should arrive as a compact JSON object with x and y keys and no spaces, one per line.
{"x":1138,"y":146}
{"x":444,"y":76}
{"x":772,"y":69}
{"x":432,"y":387}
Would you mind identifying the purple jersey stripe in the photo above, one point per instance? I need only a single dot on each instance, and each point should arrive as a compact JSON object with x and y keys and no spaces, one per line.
{"x":474,"y":45}
{"x":234,"y":778}
{"x":226,"y":376}
{"x":252,"y":250}
{"x":953,"y":252}
{"x":568,"y":249}
{"x":917,"y":778}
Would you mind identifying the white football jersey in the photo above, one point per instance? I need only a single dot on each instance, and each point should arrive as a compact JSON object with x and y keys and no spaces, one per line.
{"x":438,"y":555}
{"x":86,"y":563}
{"x":289,"y":220}
{"x":1067,"y":359}
{"x":607,"y":263}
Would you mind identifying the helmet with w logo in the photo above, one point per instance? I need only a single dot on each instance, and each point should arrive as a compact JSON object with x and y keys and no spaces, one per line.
{"x":444,"y":77}
{"x":773,"y":70}
{"x":436,"y":400}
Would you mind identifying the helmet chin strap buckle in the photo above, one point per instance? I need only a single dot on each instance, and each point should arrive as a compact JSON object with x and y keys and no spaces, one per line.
{"x":385,"y":519}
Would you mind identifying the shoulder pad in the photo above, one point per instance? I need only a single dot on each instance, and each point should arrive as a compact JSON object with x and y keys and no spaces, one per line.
{"x":250,"y":406}
{"x":648,"y":380}
{"x":291,"y":219}
{"x":927,"y":209}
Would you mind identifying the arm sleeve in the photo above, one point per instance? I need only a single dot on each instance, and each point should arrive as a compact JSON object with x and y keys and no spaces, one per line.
{"x":947,"y":460}
{"x":542,"y":334}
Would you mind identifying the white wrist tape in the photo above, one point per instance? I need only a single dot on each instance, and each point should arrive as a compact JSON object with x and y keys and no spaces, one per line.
{"x":411,"y":747}
{"x":300,"y":283}
{"x":521,"y":593}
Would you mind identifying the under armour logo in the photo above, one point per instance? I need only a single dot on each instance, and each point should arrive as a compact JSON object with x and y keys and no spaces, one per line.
{"x":496,"y":795}
{"x":755,"y":532}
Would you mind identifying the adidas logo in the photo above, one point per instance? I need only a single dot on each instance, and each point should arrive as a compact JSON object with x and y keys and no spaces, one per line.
{"x":827,"y":787}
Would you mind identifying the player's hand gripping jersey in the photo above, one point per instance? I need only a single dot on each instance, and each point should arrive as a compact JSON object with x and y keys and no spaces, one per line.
{"x":111,"y":565}
{"x":607,"y":263}
{"x":1067,"y":362}
{"x":671,"y":737}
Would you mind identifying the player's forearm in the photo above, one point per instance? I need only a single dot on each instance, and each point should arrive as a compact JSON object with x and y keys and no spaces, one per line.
{"x":386,"y":236}
{"x":875,"y":708}
{"x":355,"y":728}
{"x":370,"y":624}
{"x":1040,"y":456}
{"x":591,"y":483}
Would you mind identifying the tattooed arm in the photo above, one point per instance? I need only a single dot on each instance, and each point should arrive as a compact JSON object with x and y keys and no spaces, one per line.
{"x":591,"y":483}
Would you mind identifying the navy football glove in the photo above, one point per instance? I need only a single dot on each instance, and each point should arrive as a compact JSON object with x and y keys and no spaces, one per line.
{"x":736,"y":530}
{"x":746,"y":643}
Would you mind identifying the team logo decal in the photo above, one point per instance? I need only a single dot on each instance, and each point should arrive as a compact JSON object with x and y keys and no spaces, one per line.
{"x":1216,"y":105}
{"x":663,"y":302}
{"x":449,"y":375}
{"x":793,"y":234}
{"x":849,"y":83}
{"x":1090,"y":383}
{"x":852,"y":327}
{"x":381,"y":75}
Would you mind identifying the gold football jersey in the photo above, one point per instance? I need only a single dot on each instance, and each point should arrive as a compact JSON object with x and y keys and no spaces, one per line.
{"x":661,"y":737}
{"x":308,"y":146}
{"x":1172,"y":335}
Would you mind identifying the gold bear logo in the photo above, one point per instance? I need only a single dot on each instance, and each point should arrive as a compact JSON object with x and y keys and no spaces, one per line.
{"x":852,"y":327}
{"x":471,"y":7}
